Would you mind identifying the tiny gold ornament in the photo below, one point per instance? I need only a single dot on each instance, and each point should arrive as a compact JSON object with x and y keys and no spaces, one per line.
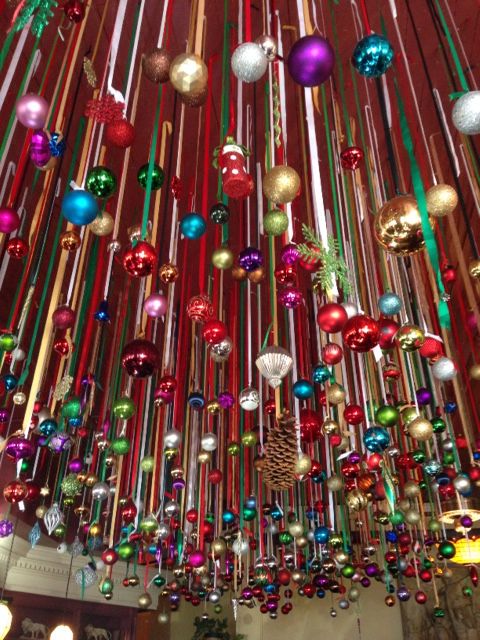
{"x":168,"y":273}
{"x":89,"y":72}
{"x":204,"y":457}
{"x":398,"y":226}
{"x":213,"y":407}
{"x":222,"y":258}
{"x":442,"y":199}
{"x":421,"y":429}
{"x":188,"y":73}
{"x":281,"y":184}
{"x":102,"y":225}
{"x":257,"y":275}
{"x":329,"y":427}
{"x":474,"y":269}
{"x":335,"y":394}
{"x":475,"y":372}
{"x":70,"y":241}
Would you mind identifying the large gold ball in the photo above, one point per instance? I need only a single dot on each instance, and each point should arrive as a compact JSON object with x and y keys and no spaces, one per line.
{"x":475,"y":372}
{"x":398,"y":226}
{"x":281,"y":184}
{"x":188,"y":73}
{"x":356,"y":500}
{"x":410,"y":337}
{"x":421,"y":429}
{"x":295,"y":529}
{"x":411,"y":489}
{"x":335,"y":394}
{"x":102,"y":225}
{"x":156,"y":65}
{"x":301,"y":541}
{"x":474,"y":269}
{"x":441,"y":200}
{"x":213,"y":407}
{"x":222,"y":258}
{"x":218,"y":546}
{"x":303,"y":464}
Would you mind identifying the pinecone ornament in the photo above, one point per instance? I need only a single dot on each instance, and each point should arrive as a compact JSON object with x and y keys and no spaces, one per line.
{"x":281,"y":454}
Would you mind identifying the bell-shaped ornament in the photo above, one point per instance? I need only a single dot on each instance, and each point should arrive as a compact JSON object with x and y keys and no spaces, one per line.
{"x":274,"y":363}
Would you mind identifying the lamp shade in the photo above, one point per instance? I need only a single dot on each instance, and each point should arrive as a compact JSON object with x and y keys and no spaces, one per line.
{"x":467,"y":551}
{"x":274,"y":363}
{"x":62,"y":632}
{"x":5,"y":620}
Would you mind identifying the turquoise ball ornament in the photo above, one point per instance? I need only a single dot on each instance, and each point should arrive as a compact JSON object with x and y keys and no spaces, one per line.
{"x":303,"y":389}
{"x":79,"y":207}
{"x":372,"y":56}
{"x":376,"y":439}
{"x":321,"y":374}
{"x":228,"y":517}
{"x":390,"y":304}
{"x":321,"y":535}
{"x":193,"y":226}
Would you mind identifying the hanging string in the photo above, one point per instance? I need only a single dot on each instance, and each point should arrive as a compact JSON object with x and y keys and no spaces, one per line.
{"x":365,"y":19}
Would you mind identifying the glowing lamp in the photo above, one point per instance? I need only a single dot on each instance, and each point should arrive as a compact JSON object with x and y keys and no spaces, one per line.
{"x":5,"y":620}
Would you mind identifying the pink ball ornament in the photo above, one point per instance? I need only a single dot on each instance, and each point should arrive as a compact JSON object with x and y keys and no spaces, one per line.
{"x":9,"y":220}
{"x":155,"y":305}
{"x":197,"y":558}
{"x":63,"y":317}
{"x":32,"y":111}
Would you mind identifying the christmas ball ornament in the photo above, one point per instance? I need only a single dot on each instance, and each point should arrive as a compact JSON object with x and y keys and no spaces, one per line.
{"x":69,"y":241}
{"x":15,"y":491}
{"x":155,"y":305}
{"x":420,"y":428}
{"x":221,"y":350}
{"x":120,"y":445}
{"x":250,"y":259}
{"x":120,"y":134}
{"x":390,"y":304}
{"x":335,"y":394}
{"x":249,"y":399}
{"x":332,"y":317}
{"x":257,"y":275}
{"x":249,"y":62}
{"x":466,"y":113}
{"x":63,"y":317}
{"x":74,"y":10}
{"x":209,"y":442}
{"x":188,"y":73}
{"x":275,"y":223}
{"x":444,"y":369}
{"x":372,"y":56}
{"x":286,"y":274}
{"x":100,"y":491}
{"x":101,"y":182}
{"x":410,"y":337}
{"x":351,"y":157}
{"x":387,"y":415}
{"x":353,"y":414}
{"x":311,"y":61}
{"x":32,"y":111}
{"x":139,"y":261}
{"x":431,"y":348}
{"x":123,"y":408}
{"x":474,"y":371}
{"x":447,"y":549}
{"x":17,"y":248}
{"x":199,"y":308}
{"x":102,"y":225}
{"x":158,"y":176}
{"x":219,"y":213}
{"x":39,"y":150}
{"x":79,"y":207}
{"x":156,"y":65}
{"x":398,"y":226}
{"x":8,"y":342}
{"x":193,"y":226}
{"x":268,"y":45}
{"x":9,"y":220}
{"x":168,"y":273}
{"x":361,"y":333}
{"x":214,"y":331}
{"x":222,"y":258}
{"x":442,"y":199}
{"x":376,"y":439}
{"x":196,"y":558}
{"x":332,"y":353}
{"x":388,"y":330}
{"x":303,"y":389}
{"x":172,"y":439}
{"x":281,"y":184}
{"x":140,"y":358}
{"x":290,"y":297}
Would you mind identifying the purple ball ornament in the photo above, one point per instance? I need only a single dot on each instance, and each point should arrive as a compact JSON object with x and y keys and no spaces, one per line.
{"x":9,"y":220}
{"x":18,"y":447}
{"x":289,"y":254}
{"x":290,"y":297}
{"x":155,"y":305}
{"x":75,"y":465}
{"x":365,"y":582}
{"x":60,"y":442}
{"x":403,"y":594}
{"x":32,"y":111}
{"x":39,"y":151}
{"x":311,"y":61}
{"x":424,"y":396}
{"x":196,"y":558}
{"x":4,"y":415}
{"x":6,"y":528}
{"x":354,"y":457}
{"x":226,"y":399}
{"x":250,"y":259}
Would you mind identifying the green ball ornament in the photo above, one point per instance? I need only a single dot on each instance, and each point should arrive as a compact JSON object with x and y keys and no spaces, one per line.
{"x":159,"y":581}
{"x":24,"y":465}
{"x":434,"y":526}
{"x":387,"y":416}
{"x":348,"y":570}
{"x":467,"y":592}
{"x":210,"y":517}
{"x":396,"y":518}
{"x":249,"y":439}
{"x":121,"y":446}
{"x":219,"y":213}
{"x":158,"y":176}
{"x":447,"y":549}
{"x":249,"y":514}
{"x":419,"y":456}
{"x":148,"y":525}
{"x":427,"y":564}
{"x":275,"y":223}
{"x":105,"y":586}
{"x":448,"y":458}
{"x":285,"y":537}
{"x":71,"y":486}
{"x":409,"y":414}
{"x":7,"y":342}
{"x":123,"y":408}
{"x":438,"y":425}
{"x":101,"y":182}
{"x":438,"y":612}
{"x":72,"y":407}
{"x":147,"y":464}
{"x":218,"y":608}
{"x":60,"y":531}
{"x":125,"y":550}
{"x":233,"y":449}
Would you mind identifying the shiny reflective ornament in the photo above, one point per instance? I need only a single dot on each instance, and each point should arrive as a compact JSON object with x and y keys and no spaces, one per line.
{"x":120,"y":134}
{"x":9,"y":220}
{"x":249,"y":399}
{"x":376,"y":439}
{"x":32,"y":111}
{"x":268,"y":45}
{"x":275,"y":222}
{"x":214,"y":331}
{"x":79,"y":207}
{"x":15,"y":491}
{"x":219,"y":213}
{"x":420,"y":428}
{"x":101,"y":182}
{"x":140,"y":358}
{"x":102,"y":225}
{"x":168,"y":273}
{"x":332,"y":317}
{"x":144,"y":600}
{"x":39,"y":150}
{"x":303,"y":464}
{"x":61,"y":632}
{"x":390,"y":304}
{"x":157,"y":179}
{"x":222,"y":258}
{"x":199,"y":308}
{"x":442,"y":200}
{"x":70,"y":241}
{"x":398,"y":226}
{"x":372,"y":56}
{"x":155,"y":305}
{"x":361,"y":333}
{"x":410,"y":337}
{"x":444,"y":369}
{"x":356,"y":500}
{"x":100,"y":491}
{"x":18,"y":448}
{"x":156,"y":65}
{"x":281,"y":184}
{"x":17,"y":248}
{"x":290,"y":297}
{"x":250,"y":259}
{"x":209,"y":442}
{"x":466,"y":113}
{"x":311,"y":61}
{"x":74,"y":10}
{"x":188,"y":73}
{"x":274,"y":363}
{"x":172,"y":439}
{"x":249,"y":62}
{"x":351,"y":157}
{"x":222,"y":349}
{"x":193,"y":226}
{"x":139,"y":261}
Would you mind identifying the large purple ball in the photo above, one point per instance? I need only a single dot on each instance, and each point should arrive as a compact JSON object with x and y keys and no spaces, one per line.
{"x":18,"y":447}
{"x":311,"y":61}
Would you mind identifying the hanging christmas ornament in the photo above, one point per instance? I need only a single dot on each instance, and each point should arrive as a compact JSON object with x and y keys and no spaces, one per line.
{"x":39,"y":150}
{"x":361,"y":333}
{"x":444,"y":369}
{"x":351,"y":157}
{"x":275,"y":222}
{"x":139,"y":261}
{"x":420,"y":428}
{"x":214,"y":331}
{"x":9,"y":220}
{"x":290,"y":297}
{"x":466,"y":113}
{"x":249,"y":399}
{"x":158,"y":176}
{"x":79,"y":207}
{"x":221,"y":350}
{"x":120,"y":134}
{"x":222,"y":258}
{"x":376,"y":439}
{"x":155,"y":305}
{"x":390,"y":304}
{"x":442,"y":200}
{"x":74,"y":10}
{"x":274,"y":363}
{"x":219,"y":213}
{"x":188,"y":73}
{"x":372,"y":56}
{"x":168,"y":273}
{"x":140,"y":358}
{"x":101,"y":182}
{"x":331,"y":317}
{"x":410,"y":337}
{"x":249,"y":62}
{"x":156,"y":65}
{"x":236,"y":182}
{"x":268,"y":45}
{"x":63,"y":317}
{"x":281,"y":184}
{"x":311,"y":61}
{"x":32,"y":111}
{"x":250,"y":259}
{"x":398,"y":226}
{"x":193,"y":226}
{"x":102,"y":225}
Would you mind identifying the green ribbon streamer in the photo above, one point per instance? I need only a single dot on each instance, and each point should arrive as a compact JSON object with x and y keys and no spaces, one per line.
{"x":419,"y":190}
{"x":453,"y":50}
{"x":153,"y":146}
{"x":389,"y":490}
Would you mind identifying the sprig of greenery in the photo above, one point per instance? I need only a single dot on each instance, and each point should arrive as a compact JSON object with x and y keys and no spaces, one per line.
{"x":42,"y":10}
{"x":332,"y":266}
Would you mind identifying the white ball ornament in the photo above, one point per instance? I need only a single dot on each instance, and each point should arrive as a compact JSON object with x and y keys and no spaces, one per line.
{"x":466,"y":113}
{"x":444,"y":369}
{"x":249,"y":62}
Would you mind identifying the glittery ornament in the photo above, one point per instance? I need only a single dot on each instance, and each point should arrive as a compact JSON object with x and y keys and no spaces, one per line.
{"x":105,"y":109}
{"x":120,"y":134}
{"x":351,"y":157}
{"x":101,"y":182}
{"x":156,"y":65}
{"x":466,"y":113}
{"x":275,"y":223}
{"x":444,"y":369}
{"x":442,"y":200}
{"x":281,"y":184}
{"x":249,"y":62}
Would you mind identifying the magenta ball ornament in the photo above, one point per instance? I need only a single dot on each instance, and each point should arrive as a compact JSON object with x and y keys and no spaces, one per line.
{"x":197,"y":558}
{"x":311,"y":61}
{"x":9,"y":220}
{"x":32,"y":111}
{"x":63,"y":317}
{"x":39,"y":151}
{"x":155,"y":305}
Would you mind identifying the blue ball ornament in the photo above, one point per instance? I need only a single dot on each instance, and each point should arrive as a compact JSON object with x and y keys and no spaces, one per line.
{"x":321,"y":535}
{"x":75,"y":422}
{"x":321,"y":374}
{"x":450,"y":407}
{"x":376,"y":439}
{"x":372,"y":56}
{"x":196,"y":400}
{"x":228,"y":517}
{"x":303,"y":389}
{"x":57,"y":144}
{"x":47,"y":427}
{"x":432,"y":467}
{"x":102,"y":314}
{"x":193,"y":226}
{"x":270,"y":587}
{"x":391,"y":536}
{"x":276,"y":513}
{"x":10,"y":381}
{"x":251,"y":502}
{"x":442,"y":478}
{"x":390,"y":304}
{"x":79,"y":207}
{"x":320,"y":593}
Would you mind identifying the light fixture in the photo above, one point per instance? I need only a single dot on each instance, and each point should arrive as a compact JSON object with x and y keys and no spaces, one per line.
{"x":274,"y":363}
{"x":467,"y":551}
{"x":451,"y":515}
{"x":5,"y":619}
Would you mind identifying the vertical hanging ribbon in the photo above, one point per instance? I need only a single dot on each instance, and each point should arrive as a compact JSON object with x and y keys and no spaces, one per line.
{"x":117,"y":32}
{"x":443,"y":312}
{"x":453,"y":50}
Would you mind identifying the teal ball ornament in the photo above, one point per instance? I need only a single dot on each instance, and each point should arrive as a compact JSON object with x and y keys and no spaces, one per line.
{"x":193,"y":226}
{"x":390,"y":304}
{"x":79,"y":207}
{"x":376,"y":439}
{"x":372,"y":56}
{"x":101,"y":182}
{"x":303,"y":389}
{"x":321,"y":373}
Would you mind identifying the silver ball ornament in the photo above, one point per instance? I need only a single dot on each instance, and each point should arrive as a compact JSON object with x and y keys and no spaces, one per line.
{"x":268,"y":45}
{"x":466,"y":113}
{"x":209,"y":442}
{"x":100,"y":491}
{"x":249,"y":62}
{"x":249,"y":399}
{"x":214,"y":596}
{"x":172,"y":439}
{"x":163,"y":531}
{"x":171,"y":508}
{"x":462,"y":483}
{"x":444,"y":369}
{"x":351,"y":309}
{"x":343,"y":604}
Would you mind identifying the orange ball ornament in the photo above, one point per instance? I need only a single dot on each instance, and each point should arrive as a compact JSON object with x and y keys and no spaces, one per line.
{"x":15,"y":491}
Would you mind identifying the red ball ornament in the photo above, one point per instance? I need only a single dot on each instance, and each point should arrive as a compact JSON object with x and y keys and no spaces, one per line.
{"x":315,"y":469}
{"x":140,"y":358}
{"x":388,"y":328}
{"x":310,"y":425}
{"x":374,"y":461}
{"x":474,"y":474}
{"x":286,"y":274}
{"x":361,"y":333}
{"x":140,"y":260}
{"x":349,"y":469}
{"x":33,"y":491}
{"x":63,"y":317}
{"x":332,"y":317}
{"x":420,"y":596}
{"x":353,"y":414}
{"x":431,"y":348}
{"x":167,"y":384}
{"x":332,"y":353}
{"x":62,"y":347}
{"x":17,"y":248}
{"x":449,"y":274}
{"x":192,"y":516}
{"x":120,"y":133}
{"x":74,"y":10}
{"x":214,"y":331}
{"x":310,"y":264}
{"x":109,"y":557}
{"x":425,"y":575}
{"x":270,"y":407}
{"x":199,"y":308}
{"x":351,"y":157}
{"x":406,"y":461}
{"x":128,"y":512}
{"x":283,"y":576}
{"x":335,"y":439}
{"x":215,"y":476}
{"x":15,"y":491}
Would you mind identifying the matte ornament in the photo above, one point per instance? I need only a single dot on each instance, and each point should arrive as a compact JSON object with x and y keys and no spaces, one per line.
{"x":193,"y":226}
{"x":32,"y":111}
{"x":139,"y":261}
{"x":9,"y":220}
{"x":140,"y":358}
{"x":372,"y":56}
{"x":444,"y":369}
{"x":390,"y":304}
{"x":101,"y":182}
{"x":376,"y":439}
{"x":466,"y":113}
{"x":79,"y":207}
{"x":281,"y":184}
{"x":398,"y":226}
{"x":156,"y":65}
{"x":102,"y":225}
{"x":442,"y":200}
{"x":249,"y":62}
{"x":361,"y":333}
{"x":120,"y":134}
{"x":155,"y":305}
{"x":351,"y":157}
{"x":188,"y":73}
{"x":311,"y":61}
{"x":158,"y":176}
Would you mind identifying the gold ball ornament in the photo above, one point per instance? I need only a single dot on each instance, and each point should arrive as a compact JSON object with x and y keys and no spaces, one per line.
{"x":303,"y":464}
{"x":475,"y":372}
{"x":238,"y":273}
{"x":356,"y":500}
{"x":281,"y":184}
{"x":335,"y":394}
{"x":204,"y":457}
{"x":341,"y":557}
{"x":301,"y":542}
{"x":95,"y":530}
{"x":421,"y":429}
{"x":144,"y":600}
{"x":156,"y":65}
{"x":442,"y":199}
{"x":168,"y":273}
{"x":256,"y":276}
{"x":188,"y":73}
{"x":213,"y":407}
{"x":411,"y":489}
{"x":398,"y":226}
{"x":329,"y":427}
{"x":335,"y":483}
{"x":70,"y":241}
{"x":408,"y":414}
{"x":218,"y":547}
{"x":40,"y":511}
{"x":90,"y":480}
{"x":295,"y":529}
{"x":102,"y":225}
{"x":222,"y":258}
{"x":410,"y":337}
{"x":474,"y":269}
